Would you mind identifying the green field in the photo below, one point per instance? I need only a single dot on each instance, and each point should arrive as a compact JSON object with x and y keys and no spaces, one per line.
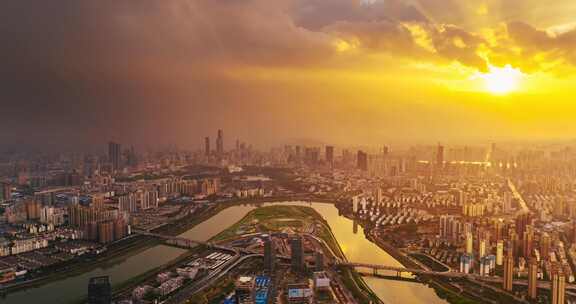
{"x":271,"y":219}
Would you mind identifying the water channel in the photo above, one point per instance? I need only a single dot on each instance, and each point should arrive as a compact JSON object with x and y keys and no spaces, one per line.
{"x":355,"y":246}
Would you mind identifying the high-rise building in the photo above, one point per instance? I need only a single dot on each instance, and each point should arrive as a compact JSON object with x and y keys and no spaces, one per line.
{"x":148,"y":200}
{"x":545,"y":246}
{"x":120,"y":229}
{"x":131,"y":157}
{"x":297,"y":253}
{"x":558,"y":286}
{"x":207,"y":146}
{"x":499,"y":252}
{"x":440,"y":156}
{"x":499,"y":229}
{"x":114,"y":155}
{"x":5,"y":191}
{"x":311,"y":156}
{"x":378,"y":196}
{"x":33,"y":209}
{"x":514,"y":244}
{"x":469,"y":243}
{"x":362,"y":161}
{"x":522,"y":220}
{"x":508,"y":271}
{"x":385,"y":150}
{"x":106,"y":232}
{"x":319,"y":261}
{"x":127,"y":203}
{"x":532,"y":278}
{"x":99,"y":290}
{"x":482,"y":248}
{"x":330,"y":155}
{"x":269,"y":254}
{"x":465,"y":263}
{"x":97,"y":200}
{"x":80,"y":216}
{"x":220,"y":142}
{"x":527,"y":242}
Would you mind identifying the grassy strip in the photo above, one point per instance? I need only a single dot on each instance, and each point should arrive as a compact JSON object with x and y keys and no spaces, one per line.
{"x":267,"y":216}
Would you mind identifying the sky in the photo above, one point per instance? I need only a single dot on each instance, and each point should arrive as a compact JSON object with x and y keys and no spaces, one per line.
{"x":146,"y":72}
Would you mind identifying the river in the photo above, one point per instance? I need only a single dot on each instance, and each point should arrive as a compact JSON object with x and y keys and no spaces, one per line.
{"x":355,"y":246}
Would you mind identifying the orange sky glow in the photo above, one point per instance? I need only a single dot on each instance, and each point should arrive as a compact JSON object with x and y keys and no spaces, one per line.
{"x":340,"y":71}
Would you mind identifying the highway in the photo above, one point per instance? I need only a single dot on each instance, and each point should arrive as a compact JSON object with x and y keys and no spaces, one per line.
{"x":185,"y":293}
{"x":518,"y":197}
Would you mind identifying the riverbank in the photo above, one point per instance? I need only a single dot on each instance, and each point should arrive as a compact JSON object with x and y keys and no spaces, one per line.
{"x":127,"y":286}
{"x":275,"y":219}
{"x":117,"y":251}
{"x":442,"y":286}
{"x":189,"y":223}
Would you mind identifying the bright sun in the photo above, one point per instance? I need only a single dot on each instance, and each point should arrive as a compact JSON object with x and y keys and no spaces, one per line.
{"x":501,"y":81}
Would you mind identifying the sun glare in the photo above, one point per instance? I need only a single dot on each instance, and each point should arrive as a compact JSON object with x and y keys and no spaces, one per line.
{"x":501,"y":81}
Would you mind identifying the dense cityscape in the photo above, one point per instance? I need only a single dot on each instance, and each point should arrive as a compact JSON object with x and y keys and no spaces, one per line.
{"x":287,"y":152}
{"x":474,"y":224}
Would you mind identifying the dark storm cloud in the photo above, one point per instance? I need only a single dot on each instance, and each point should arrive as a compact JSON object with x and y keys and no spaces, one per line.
{"x":84,"y":69}
{"x":317,"y":14}
{"x":379,"y":36}
{"x":459,"y":45}
{"x":548,"y":47}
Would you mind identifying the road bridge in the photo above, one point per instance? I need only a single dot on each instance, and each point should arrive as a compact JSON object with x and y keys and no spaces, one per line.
{"x":447,"y":274}
{"x":188,"y":243}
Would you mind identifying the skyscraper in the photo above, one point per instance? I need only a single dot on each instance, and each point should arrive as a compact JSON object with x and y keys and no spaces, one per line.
{"x":99,"y":290}
{"x":469,"y":243}
{"x":532,"y":278}
{"x":114,"y":155}
{"x":220,"y":142}
{"x":319,"y":258}
{"x":482,"y":248}
{"x":269,"y":254}
{"x":385,"y":150}
{"x":499,"y":252}
{"x":522,"y":220}
{"x":440,"y":156}
{"x":558,"y":286}
{"x":297,"y":254}
{"x":131,"y":157}
{"x":499,"y":229}
{"x":207,"y":146}
{"x":5,"y":191}
{"x":527,"y":241}
{"x":545,"y":246}
{"x":362,"y":161}
{"x":508,"y":271}
{"x":330,"y":155}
